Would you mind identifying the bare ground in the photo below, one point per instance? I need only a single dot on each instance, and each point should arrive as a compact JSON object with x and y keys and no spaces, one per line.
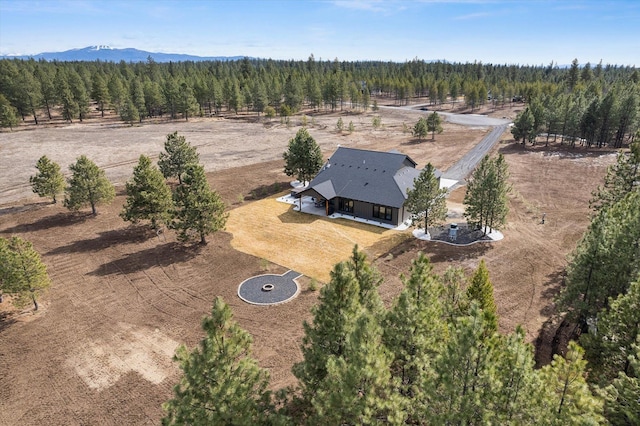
{"x":99,"y":350}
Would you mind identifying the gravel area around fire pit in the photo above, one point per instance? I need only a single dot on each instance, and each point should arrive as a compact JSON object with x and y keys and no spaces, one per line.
{"x":464,"y":236}
{"x":269,"y":289}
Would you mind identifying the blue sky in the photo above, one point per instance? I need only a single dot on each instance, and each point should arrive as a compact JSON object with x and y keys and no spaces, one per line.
{"x":531,"y":32}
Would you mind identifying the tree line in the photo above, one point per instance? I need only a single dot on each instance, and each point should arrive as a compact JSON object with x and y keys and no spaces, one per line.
{"x":137,"y":91}
{"x":585,"y":117}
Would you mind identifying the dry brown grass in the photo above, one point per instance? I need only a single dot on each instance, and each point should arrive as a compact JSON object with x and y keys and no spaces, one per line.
{"x":303,"y":242}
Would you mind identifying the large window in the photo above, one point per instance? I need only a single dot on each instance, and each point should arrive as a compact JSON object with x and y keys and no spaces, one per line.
{"x":345,"y":205}
{"x":382,"y":212}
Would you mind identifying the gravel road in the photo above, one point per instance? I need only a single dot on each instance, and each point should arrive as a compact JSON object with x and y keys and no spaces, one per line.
{"x":460,"y":170}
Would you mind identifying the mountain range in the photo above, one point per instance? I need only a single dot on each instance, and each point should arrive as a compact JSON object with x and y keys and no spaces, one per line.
{"x":108,"y":54}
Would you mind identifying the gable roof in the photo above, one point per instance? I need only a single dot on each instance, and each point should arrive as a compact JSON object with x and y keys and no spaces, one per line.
{"x":370,"y":176}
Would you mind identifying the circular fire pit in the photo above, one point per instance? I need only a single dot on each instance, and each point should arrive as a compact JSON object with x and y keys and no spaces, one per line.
{"x":269,"y":289}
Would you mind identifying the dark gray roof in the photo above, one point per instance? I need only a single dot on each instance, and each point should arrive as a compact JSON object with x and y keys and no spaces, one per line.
{"x":370,"y":176}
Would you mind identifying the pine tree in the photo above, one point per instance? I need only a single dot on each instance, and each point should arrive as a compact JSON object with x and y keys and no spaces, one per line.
{"x":524,"y":127}
{"x":426,"y":200}
{"x":87,"y":185}
{"x":434,"y":124}
{"x":8,"y":114}
{"x":148,"y":196}
{"x":516,"y":396}
{"x":608,"y":345}
{"x":487,"y":192}
{"x":197,"y":207}
{"x":369,"y":279}
{"x":569,"y":399}
{"x":605,"y":261}
{"x":620,"y":179}
{"x":414,"y":330}
{"x":303,"y":158}
{"x":49,"y":181}
{"x":622,"y":397}
{"x":22,"y":273}
{"x":177,"y":156}
{"x":481,"y":290}
{"x":421,"y":128}
{"x":334,"y":319}
{"x":463,"y":369}
{"x":221,"y":383}
{"x":357,"y":388}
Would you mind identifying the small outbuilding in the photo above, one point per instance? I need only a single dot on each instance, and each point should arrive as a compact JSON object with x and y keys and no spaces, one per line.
{"x":366,"y":184}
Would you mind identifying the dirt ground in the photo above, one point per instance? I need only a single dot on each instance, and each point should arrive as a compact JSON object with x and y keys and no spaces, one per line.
{"x":99,"y":349}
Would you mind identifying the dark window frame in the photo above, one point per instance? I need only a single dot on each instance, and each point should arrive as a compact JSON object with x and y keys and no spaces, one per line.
{"x":346,"y":205}
{"x":382,"y":212}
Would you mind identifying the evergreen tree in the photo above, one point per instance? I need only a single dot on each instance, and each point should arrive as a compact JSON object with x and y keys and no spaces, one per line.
{"x":421,"y":128}
{"x":221,"y":382}
{"x":100,"y":92}
{"x":622,"y":397}
{"x":486,"y":195}
{"x":414,"y":330}
{"x":303,"y":158}
{"x":49,"y":181}
{"x":481,"y":290}
{"x":148,"y":196}
{"x":357,"y":388}
{"x":426,"y":200}
{"x":608,"y":345}
{"x":128,"y":112}
{"x":87,"y":185}
{"x":22,"y":273}
{"x":524,"y":127}
{"x":197,"y":207}
{"x":369,"y":279}
{"x":334,"y":319}
{"x":434,"y":124}
{"x":177,"y":156}
{"x":463,"y":369}
{"x":187,"y":104}
{"x":568,"y":396}
{"x":605,"y":261}
{"x":620,"y":179}
{"x":137,"y":97}
{"x":8,"y":114}
{"x":80,"y":95}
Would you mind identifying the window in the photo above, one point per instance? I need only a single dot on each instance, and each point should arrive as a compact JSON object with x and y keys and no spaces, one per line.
{"x":382,"y":212}
{"x":345,"y":205}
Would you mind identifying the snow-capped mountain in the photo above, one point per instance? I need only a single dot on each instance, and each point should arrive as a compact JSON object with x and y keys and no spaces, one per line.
{"x":109,"y":54}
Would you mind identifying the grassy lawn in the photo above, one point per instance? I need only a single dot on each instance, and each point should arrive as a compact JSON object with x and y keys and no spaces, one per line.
{"x":305,"y":243}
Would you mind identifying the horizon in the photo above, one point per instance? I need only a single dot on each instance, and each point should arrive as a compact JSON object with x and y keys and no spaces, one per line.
{"x":458,"y":31}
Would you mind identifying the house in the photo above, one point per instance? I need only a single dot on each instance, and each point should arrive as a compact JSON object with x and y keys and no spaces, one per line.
{"x":365,"y":184}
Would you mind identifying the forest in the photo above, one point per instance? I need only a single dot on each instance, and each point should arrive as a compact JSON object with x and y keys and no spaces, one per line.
{"x":584,"y":104}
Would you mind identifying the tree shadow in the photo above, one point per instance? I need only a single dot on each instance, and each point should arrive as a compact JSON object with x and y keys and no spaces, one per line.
{"x":556,"y":331}
{"x":552,"y":287}
{"x":6,"y":320}
{"x":264,"y":191}
{"x":555,"y":149}
{"x":58,"y":220}
{"x":24,"y":207}
{"x":130,"y":235}
{"x":163,"y":256}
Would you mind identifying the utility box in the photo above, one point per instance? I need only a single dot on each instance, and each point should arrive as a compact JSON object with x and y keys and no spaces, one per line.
{"x":453,"y":231}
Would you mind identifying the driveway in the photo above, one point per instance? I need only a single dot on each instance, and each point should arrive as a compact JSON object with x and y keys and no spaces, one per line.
{"x":463,"y":168}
